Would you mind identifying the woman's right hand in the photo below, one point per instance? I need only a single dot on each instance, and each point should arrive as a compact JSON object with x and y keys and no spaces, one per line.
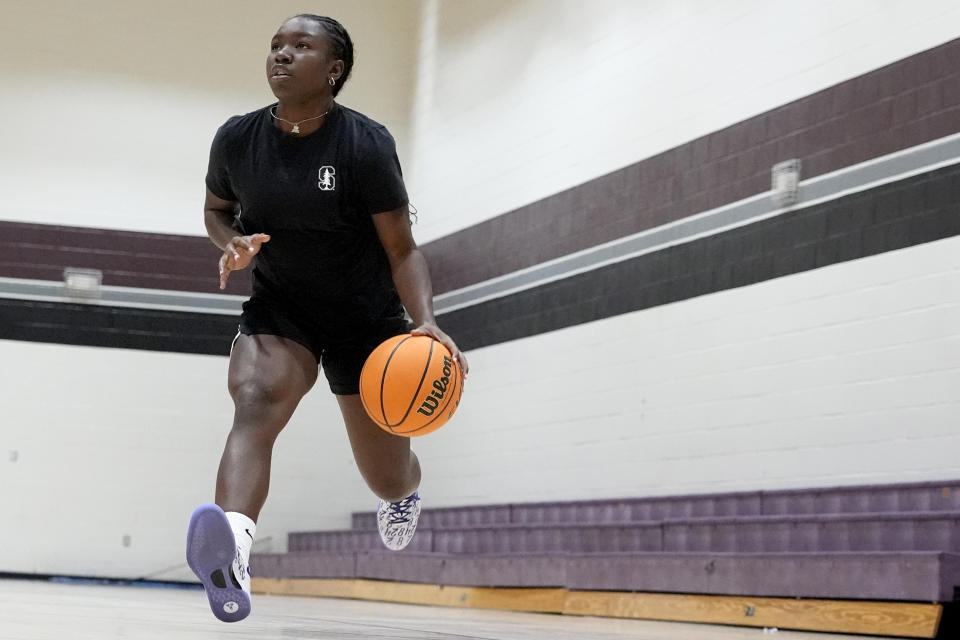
{"x":238,"y":253}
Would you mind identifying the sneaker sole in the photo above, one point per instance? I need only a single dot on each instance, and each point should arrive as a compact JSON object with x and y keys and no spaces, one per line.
{"x":211,"y":549}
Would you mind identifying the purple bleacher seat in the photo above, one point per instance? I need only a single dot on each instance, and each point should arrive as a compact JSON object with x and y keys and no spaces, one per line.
{"x":304,"y":564}
{"x":518,"y":570}
{"x":847,"y":532}
{"x":400,"y":567}
{"x":924,"y":496}
{"x":350,"y":540}
{"x":904,"y":576}
{"x":917,"y":576}
{"x":468,"y":516}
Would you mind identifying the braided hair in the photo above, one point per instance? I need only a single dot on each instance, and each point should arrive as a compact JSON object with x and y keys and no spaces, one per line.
{"x":341,"y":46}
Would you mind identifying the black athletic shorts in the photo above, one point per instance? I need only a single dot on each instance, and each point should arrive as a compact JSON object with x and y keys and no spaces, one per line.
{"x":340,"y":350}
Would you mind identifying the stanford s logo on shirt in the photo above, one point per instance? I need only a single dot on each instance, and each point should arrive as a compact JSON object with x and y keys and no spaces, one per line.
{"x":328,"y":180}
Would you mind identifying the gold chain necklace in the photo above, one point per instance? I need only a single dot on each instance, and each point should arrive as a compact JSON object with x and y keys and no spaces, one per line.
{"x":296,"y":125}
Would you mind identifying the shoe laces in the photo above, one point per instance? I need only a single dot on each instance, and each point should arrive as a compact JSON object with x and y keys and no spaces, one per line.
{"x":399,"y":512}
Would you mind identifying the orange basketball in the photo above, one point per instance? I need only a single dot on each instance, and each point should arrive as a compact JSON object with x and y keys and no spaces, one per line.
{"x":410,"y":385}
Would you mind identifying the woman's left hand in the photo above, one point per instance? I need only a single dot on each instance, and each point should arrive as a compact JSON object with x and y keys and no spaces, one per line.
{"x":432,"y":330}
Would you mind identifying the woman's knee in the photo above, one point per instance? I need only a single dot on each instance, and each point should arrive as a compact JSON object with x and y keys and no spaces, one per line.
{"x":393,"y":482}
{"x":262,"y":408}
{"x":268,"y":371}
{"x":259,"y":392}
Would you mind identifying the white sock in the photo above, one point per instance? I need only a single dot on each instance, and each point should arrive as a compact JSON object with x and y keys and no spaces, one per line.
{"x":243,"y":531}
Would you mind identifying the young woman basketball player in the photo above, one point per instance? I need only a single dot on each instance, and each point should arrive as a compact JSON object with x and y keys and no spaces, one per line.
{"x":310,"y":193}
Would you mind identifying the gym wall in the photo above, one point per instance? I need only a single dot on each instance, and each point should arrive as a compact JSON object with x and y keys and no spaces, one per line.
{"x":699,"y":339}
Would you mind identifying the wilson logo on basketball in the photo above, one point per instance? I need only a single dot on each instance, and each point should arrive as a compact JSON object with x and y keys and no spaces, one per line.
{"x":432,"y":401}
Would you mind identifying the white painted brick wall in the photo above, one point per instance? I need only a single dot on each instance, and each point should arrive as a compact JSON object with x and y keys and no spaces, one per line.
{"x":113,"y":442}
{"x":519,"y":100}
{"x":843,"y":375}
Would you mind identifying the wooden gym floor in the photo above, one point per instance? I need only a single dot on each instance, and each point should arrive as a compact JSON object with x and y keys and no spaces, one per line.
{"x":34,"y":610}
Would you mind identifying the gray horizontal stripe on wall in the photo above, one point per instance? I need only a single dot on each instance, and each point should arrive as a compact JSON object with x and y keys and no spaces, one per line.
{"x":45,"y":291}
{"x":896,"y":166}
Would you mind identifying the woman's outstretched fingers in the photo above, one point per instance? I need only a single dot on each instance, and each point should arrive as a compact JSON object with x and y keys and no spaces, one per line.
{"x":238,"y":253}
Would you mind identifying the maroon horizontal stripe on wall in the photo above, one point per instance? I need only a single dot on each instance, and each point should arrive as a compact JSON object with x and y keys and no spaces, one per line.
{"x":127,"y":258}
{"x":896,"y":107}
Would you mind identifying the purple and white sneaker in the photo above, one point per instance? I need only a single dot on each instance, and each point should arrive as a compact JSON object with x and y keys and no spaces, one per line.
{"x":215,"y":558}
{"x":397,"y":521}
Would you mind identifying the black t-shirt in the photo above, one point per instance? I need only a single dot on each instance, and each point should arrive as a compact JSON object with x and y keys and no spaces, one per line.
{"x":316,"y":196}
